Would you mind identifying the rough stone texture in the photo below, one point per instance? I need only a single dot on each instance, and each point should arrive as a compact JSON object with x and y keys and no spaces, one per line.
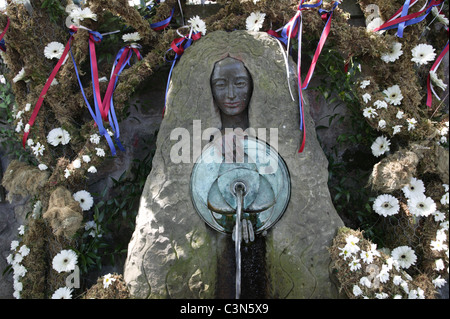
{"x":172,"y":253}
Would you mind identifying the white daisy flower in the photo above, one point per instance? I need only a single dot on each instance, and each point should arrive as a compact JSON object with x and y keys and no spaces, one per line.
{"x":365,"y":281}
{"x":58,"y":136}
{"x":394,"y":54}
{"x":351,"y":245}
{"x":254,"y":21}
{"x":356,"y":290}
{"x":85,"y":199}
{"x":24,"y":250}
{"x":380,"y":104}
{"x":19,"y":76}
{"x":381,"y":124}
{"x":439,"y":264}
{"x":411,"y":123}
{"x":380,"y":146}
{"x":197,"y":24}
{"x":27,"y":107}
{"x":87,"y":13}
{"x":354,"y":264}
{"x":393,"y":95}
{"x":399,"y":115}
{"x":366,"y":97}
{"x":14,"y":244}
{"x":369,"y":112}
{"x":131,"y":37}
{"x":42,"y":167}
{"x":92,"y":170}
{"x":438,"y":245}
{"x":62,"y":293}
{"x":396,"y":129}
{"x":345,"y":252}
{"x":423,"y":53}
{"x":439,"y":216}
{"x":66,"y":173}
{"x":366,"y":256}
{"x":414,"y":188}
{"x":445,"y":199}
{"x":437,"y":81}
{"x":386,"y":205}
{"x":108,"y":280}
{"x":65,"y":260}
{"x":420,"y":205}
{"x":405,"y":256}
{"x":53,"y":50}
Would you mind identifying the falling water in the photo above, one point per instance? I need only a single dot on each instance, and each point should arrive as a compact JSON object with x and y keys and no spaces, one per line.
{"x":239,"y":192}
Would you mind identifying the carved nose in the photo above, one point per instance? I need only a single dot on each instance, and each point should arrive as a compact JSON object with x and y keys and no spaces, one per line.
{"x":231,"y":94}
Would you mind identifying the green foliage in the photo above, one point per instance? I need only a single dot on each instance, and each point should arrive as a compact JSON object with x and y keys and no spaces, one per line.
{"x":54,"y":9}
{"x":113,"y":219}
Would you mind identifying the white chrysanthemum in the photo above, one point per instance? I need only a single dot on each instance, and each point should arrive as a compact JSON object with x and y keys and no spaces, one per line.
{"x":62,"y":293}
{"x":438,"y":245}
{"x":65,"y":260}
{"x":95,"y":138}
{"x":85,"y":199}
{"x":38,"y":149}
{"x":66,"y":173}
{"x":399,"y":115}
{"x":394,"y":54}
{"x":439,"y":216}
{"x":440,"y":17}
{"x":197,"y":24}
{"x":58,"y":136}
{"x":445,"y":199}
{"x":27,"y":107}
{"x":14,"y":244}
{"x":366,"y":97}
{"x":54,"y":50}
{"x":380,"y":146}
{"x":437,"y":81}
{"x":345,"y":252}
{"x":414,"y":188}
{"x":423,"y":53}
{"x":364,"y":84}
{"x":386,"y":205}
{"x":87,"y":13}
{"x":131,"y":37}
{"x":356,"y":290}
{"x":100,"y":152}
{"x":76,"y":163}
{"x":381,"y":124}
{"x":393,"y":95}
{"x":365,"y":281}
{"x":411,"y":123}
{"x":19,"y":76}
{"x":92,"y":170}
{"x":108,"y":280}
{"x":369,"y":112}
{"x":439,"y":264}
{"x":421,"y":205}
{"x":396,"y":129}
{"x":405,"y":256}
{"x":439,"y":282}
{"x":255,"y":21}
{"x":380,"y":104}
{"x":24,"y":250}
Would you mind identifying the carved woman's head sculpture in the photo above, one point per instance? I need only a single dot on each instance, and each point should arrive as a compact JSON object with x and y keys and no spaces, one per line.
{"x":232,"y":88}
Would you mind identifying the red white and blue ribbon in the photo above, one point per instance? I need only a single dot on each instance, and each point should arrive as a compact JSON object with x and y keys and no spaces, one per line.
{"x":157,"y":26}
{"x":400,"y":23}
{"x":295,"y":28}
{"x":52,"y":76}
{"x":104,"y":109}
{"x":178,"y":46}
{"x":430,"y":90}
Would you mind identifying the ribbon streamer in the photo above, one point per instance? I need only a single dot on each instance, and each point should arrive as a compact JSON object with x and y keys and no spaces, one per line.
{"x":52,"y":76}
{"x":410,"y":19}
{"x":162,"y":24}
{"x":434,"y":68}
{"x":178,"y":46}
{"x":294,"y":28}
{"x":2,"y":41}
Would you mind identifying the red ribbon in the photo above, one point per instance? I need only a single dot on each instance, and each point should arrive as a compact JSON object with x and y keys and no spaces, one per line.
{"x":4,"y":30}
{"x":47,"y":86}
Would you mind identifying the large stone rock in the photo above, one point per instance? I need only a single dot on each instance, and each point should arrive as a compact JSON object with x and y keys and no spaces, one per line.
{"x":173,"y":253}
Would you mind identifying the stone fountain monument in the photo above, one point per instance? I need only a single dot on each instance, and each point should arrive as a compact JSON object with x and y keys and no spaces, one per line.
{"x":230,"y":208}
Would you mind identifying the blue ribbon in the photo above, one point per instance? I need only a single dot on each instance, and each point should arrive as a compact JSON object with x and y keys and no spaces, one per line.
{"x":402,"y":25}
{"x":164,"y":22}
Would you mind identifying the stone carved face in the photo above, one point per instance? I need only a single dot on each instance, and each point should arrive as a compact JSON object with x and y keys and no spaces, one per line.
{"x":232,"y":86}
